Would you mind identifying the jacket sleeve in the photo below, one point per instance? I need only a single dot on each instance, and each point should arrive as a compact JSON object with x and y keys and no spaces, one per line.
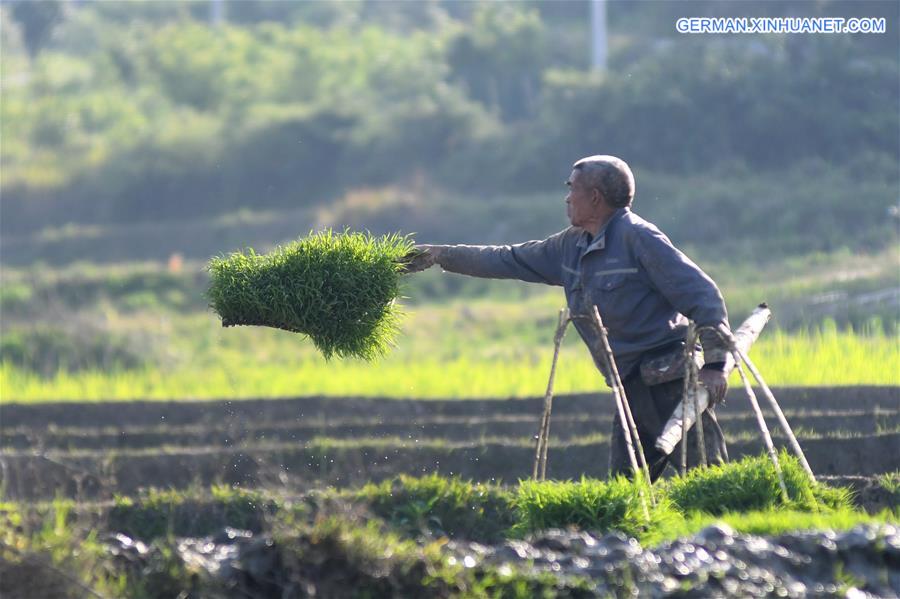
{"x":532,"y":261}
{"x":690,"y":290}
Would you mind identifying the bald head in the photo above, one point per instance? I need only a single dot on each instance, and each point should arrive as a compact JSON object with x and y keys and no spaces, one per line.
{"x":609,"y":175}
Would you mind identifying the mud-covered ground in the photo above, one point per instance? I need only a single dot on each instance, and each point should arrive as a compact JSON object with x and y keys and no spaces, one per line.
{"x":93,"y":450}
{"x":716,"y":562}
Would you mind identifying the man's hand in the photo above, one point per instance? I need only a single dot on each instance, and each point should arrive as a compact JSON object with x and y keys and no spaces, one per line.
{"x":715,"y":382}
{"x":422,"y":257}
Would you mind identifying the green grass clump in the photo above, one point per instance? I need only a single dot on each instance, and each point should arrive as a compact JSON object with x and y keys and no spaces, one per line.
{"x":441,"y":506}
{"x":775,"y":522}
{"x":158,"y":514}
{"x":589,"y":504}
{"x":337,"y":288}
{"x":455,"y":507}
{"x":752,"y":484}
{"x":890,"y":482}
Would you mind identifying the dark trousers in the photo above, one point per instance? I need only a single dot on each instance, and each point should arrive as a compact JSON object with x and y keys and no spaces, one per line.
{"x":651,"y":408}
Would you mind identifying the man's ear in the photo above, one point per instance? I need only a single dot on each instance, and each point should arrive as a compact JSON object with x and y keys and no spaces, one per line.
{"x":596,"y":196}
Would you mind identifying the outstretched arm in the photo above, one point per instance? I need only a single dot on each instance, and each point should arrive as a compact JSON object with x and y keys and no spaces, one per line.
{"x":532,"y":261}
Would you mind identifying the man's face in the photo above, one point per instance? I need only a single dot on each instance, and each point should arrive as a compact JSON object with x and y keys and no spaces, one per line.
{"x":580,"y":205}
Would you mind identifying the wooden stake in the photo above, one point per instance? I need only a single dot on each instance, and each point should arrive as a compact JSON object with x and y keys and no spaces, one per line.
{"x":782,"y":420}
{"x":694,"y":394}
{"x":762,"y":425}
{"x":743,"y":337}
{"x":629,"y":429}
{"x":543,"y":440}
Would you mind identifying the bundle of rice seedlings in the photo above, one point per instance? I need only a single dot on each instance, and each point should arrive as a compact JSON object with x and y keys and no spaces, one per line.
{"x":590,"y":504}
{"x":752,"y":484}
{"x":337,"y":288}
{"x":441,"y":506}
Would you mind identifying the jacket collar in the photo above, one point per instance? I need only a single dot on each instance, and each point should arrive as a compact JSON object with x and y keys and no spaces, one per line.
{"x":599,"y":242}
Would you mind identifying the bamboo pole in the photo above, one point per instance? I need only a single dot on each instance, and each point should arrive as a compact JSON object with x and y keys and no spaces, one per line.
{"x":629,"y":429}
{"x":543,"y":440}
{"x":691,"y":366}
{"x":770,"y":447}
{"x":739,"y":352}
{"x":688,"y":388}
{"x":744,"y":337}
{"x":782,"y":420}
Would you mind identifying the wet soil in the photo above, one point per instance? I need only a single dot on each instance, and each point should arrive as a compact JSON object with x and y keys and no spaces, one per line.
{"x":214,"y":412}
{"x":716,"y":562}
{"x":294,"y":467}
{"x":92,"y":450}
{"x":30,"y":576}
{"x":565,"y":427}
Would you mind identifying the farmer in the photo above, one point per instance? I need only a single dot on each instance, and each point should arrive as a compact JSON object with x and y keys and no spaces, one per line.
{"x":644,"y":288}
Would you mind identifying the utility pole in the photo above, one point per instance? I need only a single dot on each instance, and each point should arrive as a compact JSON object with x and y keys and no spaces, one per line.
{"x":598,"y":35}
{"x":216,"y":12}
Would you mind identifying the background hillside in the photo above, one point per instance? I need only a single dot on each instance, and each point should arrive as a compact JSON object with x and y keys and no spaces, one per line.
{"x":383,"y":114}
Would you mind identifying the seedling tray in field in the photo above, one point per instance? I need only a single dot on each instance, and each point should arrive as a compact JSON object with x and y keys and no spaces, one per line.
{"x":340,"y":289}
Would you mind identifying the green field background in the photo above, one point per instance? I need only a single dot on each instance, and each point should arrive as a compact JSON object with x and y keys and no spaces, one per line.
{"x":461,"y":349}
{"x":140,"y":140}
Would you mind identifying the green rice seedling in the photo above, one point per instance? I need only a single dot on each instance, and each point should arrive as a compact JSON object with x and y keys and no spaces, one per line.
{"x":156,"y":514}
{"x":773,"y":521}
{"x":752,"y":484}
{"x":890,"y":481}
{"x":589,"y":504}
{"x":337,"y":288}
{"x":448,"y":506}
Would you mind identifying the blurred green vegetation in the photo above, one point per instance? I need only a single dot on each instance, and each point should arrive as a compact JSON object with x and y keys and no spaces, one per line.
{"x":463,"y":348}
{"x":185,"y":514}
{"x":124,"y":113}
{"x":440,"y":506}
{"x":141,"y":138}
{"x":145,"y":330}
{"x":46,"y":350}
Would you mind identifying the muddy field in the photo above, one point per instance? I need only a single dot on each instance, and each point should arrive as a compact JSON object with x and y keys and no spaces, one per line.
{"x":94,"y":450}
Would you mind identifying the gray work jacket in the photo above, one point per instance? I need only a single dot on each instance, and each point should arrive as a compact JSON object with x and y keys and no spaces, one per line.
{"x":643,"y":287}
